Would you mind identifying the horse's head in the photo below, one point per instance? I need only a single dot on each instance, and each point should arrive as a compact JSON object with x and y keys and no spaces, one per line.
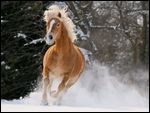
{"x":57,"y":22}
{"x":53,"y":29}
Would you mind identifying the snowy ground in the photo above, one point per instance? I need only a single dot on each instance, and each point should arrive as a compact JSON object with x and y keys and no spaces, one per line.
{"x":37,"y":108}
{"x":96,"y":90}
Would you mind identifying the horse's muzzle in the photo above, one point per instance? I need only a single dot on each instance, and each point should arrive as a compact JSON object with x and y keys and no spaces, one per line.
{"x":49,"y":39}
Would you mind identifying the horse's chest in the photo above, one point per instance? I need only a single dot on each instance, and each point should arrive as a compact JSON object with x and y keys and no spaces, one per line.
{"x":58,"y":64}
{"x":57,"y":71}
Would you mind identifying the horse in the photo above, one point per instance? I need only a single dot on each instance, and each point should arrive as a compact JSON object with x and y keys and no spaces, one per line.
{"x":63,"y":60}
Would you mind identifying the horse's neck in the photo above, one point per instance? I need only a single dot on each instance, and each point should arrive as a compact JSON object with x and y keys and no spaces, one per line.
{"x":64,"y":44}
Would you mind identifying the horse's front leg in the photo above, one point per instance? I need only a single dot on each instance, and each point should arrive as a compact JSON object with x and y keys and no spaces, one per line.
{"x":61,"y":87}
{"x":46,"y":83}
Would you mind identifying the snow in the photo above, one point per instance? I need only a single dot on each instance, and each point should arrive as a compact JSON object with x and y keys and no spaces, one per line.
{"x":7,"y":67}
{"x":140,"y":20}
{"x":21,"y":35}
{"x":3,"y":63}
{"x":99,"y":26}
{"x":84,"y":38}
{"x":139,"y":11}
{"x":79,"y":32}
{"x":2,"y":21}
{"x":86,"y":53}
{"x":33,"y":108}
{"x":2,"y":53}
{"x":94,"y":46}
{"x":96,"y":90}
{"x":29,"y":8}
{"x":35,"y":41}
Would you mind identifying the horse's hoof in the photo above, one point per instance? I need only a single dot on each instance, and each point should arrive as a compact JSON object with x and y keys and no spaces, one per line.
{"x":57,"y":102}
{"x":44,"y":103}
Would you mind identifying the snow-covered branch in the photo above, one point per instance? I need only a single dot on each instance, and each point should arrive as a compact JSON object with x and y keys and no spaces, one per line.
{"x":103,"y":27}
{"x":35,"y":41}
{"x":138,"y":11}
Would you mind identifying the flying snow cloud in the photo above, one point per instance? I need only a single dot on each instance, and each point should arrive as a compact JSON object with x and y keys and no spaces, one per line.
{"x":96,"y":88}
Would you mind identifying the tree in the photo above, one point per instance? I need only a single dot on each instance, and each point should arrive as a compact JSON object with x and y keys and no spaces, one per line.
{"x":20,"y":60}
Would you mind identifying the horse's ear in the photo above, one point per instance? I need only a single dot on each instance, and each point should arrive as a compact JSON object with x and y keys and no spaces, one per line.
{"x":59,"y":15}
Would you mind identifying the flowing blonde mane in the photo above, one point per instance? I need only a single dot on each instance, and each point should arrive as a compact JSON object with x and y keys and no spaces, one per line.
{"x":53,"y":11}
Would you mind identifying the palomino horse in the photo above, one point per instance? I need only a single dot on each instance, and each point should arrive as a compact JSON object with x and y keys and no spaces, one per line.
{"x":62,"y":60}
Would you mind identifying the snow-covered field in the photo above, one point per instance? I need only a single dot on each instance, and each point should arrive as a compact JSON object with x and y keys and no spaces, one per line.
{"x":37,"y":108}
{"x":96,"y":90}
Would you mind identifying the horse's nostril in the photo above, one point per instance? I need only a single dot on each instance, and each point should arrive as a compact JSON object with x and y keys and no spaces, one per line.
{"x":50,"y":37}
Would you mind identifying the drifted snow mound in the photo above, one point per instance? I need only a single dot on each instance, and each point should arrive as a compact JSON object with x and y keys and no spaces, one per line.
{"x":96,"y":90}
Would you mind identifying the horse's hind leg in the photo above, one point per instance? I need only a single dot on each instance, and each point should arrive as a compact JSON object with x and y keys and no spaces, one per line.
{"x":46,"y":83}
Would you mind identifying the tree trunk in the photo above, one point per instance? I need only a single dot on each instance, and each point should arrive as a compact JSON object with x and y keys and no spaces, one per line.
{"x":143,"y":43}
{"x":143,"y":39}
{"x":135,"y":47}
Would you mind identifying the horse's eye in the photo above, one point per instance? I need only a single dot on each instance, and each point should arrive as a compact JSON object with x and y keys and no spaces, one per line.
{"x":58,"y":24}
